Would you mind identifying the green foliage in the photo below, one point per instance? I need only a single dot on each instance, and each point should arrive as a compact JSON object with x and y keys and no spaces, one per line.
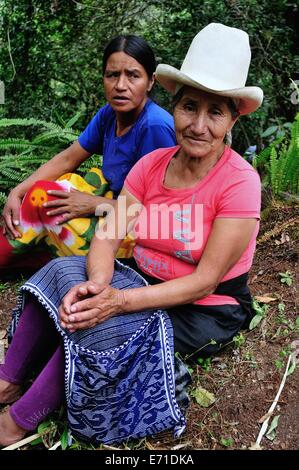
{"x":261,"y":311}
{"x":283,"y":353}
{"x":286,"y":278}
{"x":279,"y":162}
{"x":226,"y":442}
{"x":239,"y":340}
{"x":205,"y":363}
{"x":20,"y":157}
{"x":51,"y":52}
{"x":271,"y":26}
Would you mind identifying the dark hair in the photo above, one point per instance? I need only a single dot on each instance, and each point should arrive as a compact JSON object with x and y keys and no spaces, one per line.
{"x":135,"y":47}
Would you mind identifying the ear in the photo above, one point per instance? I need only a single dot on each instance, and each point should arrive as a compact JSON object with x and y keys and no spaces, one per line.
{"x":151,"y":82}
{"x":233,"y":122}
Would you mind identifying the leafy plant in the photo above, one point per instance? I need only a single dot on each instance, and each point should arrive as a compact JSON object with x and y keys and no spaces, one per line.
{"x":283,"y":353}
{"x":20,"y":157}
{"x":260,"y":314}
{"x":239,"y":340}
{"x":280,"y":162}
{"x":205,"y":363}
{"x":286,"y":278}
{"x":226,"y":442}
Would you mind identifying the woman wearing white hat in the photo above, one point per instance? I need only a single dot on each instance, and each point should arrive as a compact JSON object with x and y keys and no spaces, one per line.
{"x":198,"y":209}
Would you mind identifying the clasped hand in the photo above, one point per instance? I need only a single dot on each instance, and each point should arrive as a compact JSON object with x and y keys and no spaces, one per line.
{"x":88,"y":304}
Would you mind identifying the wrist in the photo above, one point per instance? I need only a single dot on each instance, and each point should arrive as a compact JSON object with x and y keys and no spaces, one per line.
{"x":17,"y":192}
{"x":103,"y":205}
{"x":99,"y":278}
{"x":126,"y":300}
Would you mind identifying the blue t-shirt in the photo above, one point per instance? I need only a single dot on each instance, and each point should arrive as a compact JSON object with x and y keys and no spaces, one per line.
{"x":153,"y":129}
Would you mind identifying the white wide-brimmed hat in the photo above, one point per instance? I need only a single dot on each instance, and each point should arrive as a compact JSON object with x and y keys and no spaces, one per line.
{"x":217,"y":61}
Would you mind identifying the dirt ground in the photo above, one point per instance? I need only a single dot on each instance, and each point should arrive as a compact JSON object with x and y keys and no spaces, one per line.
{"x":246,"y":376}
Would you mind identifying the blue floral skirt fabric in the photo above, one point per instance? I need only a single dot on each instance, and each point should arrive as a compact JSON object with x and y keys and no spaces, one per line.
{"x":119,"y":375}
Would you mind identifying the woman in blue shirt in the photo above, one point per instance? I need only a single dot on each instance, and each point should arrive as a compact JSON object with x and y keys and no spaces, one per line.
{"x":128,"y":127}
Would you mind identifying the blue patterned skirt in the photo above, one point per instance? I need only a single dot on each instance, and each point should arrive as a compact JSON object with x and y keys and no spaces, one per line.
{"x":122,"y":380}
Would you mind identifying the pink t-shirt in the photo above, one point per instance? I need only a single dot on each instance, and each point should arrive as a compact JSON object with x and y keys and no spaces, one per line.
{"x":174,"y":225}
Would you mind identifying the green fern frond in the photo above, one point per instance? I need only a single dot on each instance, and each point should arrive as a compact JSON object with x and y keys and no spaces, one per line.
{"x":11,"y":174}
{"x":273,"y":170}
{"x":73,"y":120}
{"x":18,"y":144}
{"x":3,"y":198}
{"x":66,"y":135}
{"x":30,"y":122}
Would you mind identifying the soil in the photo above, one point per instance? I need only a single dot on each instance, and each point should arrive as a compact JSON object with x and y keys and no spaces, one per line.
{"x":244,"y":377}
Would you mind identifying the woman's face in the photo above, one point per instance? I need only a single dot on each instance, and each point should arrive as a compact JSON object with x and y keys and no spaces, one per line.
{"x":201,"y":122}
{"x":126,"y":83}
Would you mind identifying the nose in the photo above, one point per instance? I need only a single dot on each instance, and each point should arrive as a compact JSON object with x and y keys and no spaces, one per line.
{"x":121,"y":83}
{"x":199,"y":123}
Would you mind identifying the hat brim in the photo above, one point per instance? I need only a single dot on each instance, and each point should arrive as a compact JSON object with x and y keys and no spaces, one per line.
{"x":250,"y":97}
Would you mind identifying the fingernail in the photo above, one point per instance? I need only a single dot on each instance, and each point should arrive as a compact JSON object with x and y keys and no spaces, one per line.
{"x":73,"y":309}
{"x":49,"y":191}
{"x":72,"y":318}
{"x":16,"y":222}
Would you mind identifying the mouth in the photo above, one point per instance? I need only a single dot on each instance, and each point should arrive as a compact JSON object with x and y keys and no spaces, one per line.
{"x":121,"y":99}
{"x":194,"y":139}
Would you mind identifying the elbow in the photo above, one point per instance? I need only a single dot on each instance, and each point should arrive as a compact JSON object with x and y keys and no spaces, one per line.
{"x":206,"y":287}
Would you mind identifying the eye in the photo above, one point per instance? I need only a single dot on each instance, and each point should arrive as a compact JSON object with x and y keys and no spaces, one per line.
{"x":133,"y":75}
{"x":189,"y":106}
{"x":111,"y":74}
{"x":216,"y":112}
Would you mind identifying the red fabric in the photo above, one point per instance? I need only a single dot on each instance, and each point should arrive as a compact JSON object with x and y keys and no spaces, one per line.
{"x":10,"y":262}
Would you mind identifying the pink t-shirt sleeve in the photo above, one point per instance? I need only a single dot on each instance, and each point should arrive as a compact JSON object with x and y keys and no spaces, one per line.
{"x":135,"y":181}
{"x":242,"y":196}
{"x":139,"y":176}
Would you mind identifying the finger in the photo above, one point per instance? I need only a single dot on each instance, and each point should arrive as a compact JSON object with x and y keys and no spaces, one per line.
{"x":63,"y":316}
{"x":83,"y":316}
{"x":59,"y":211}
{"x":72,"y":296}
{"x":69,"y":299}
{"x":13,"y":234}
{"x":82,"y":291}
{"x":15,"y":215}
{"x":55,"y":192}
{"x":82,"y":325}
{"x":65,"y":218}
{"x":95,"y":289}
{"x":10,"y":226}
{"x":55,"y":203}
{"x":83,"y":305}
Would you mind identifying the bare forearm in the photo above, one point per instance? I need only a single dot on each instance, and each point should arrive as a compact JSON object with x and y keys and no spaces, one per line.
{"x":100,"y":261}
{"x":64,"y":162}
{"x":179,"y":291}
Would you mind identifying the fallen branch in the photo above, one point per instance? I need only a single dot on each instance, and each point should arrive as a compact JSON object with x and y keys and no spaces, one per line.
{"x":55,"y":446}
{"x":256,"y":445}
{"x":21,"y":443}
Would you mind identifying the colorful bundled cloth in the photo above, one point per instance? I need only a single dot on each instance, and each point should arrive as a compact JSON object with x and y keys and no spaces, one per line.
{"x":121,"y":375}
{"x":72,"y":237}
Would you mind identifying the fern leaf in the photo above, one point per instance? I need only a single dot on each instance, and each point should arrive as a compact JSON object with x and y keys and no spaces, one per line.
{"x":73,"y":120}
